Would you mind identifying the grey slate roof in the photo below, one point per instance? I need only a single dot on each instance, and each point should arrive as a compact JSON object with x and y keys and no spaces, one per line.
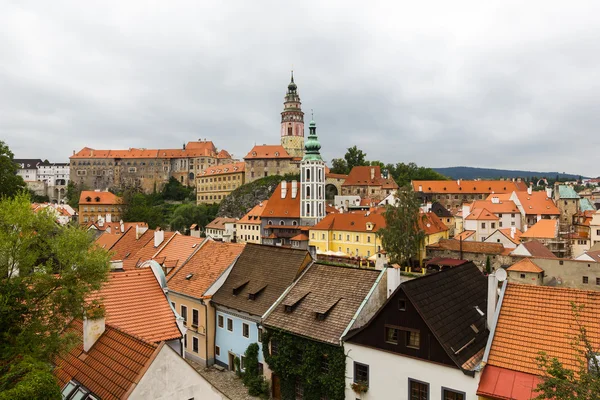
{"x":334,"y":291}
{"x":28,"y":163}
{"x":262,"y":271}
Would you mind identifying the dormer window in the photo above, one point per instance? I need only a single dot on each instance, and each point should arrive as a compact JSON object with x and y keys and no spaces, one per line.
{"x":97,"y":199}
{"x":88,"y":199}
{"x":253,"y":154}
{"x":276,"y":154}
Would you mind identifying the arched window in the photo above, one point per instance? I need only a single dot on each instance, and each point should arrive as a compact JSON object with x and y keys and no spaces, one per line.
{"x":308,"y":209}
{"x":294,"y":223}
{"x":281,"y":222}
{"x":289,"y":131}
{"x":320,"y":193}
{"x":320,"y":210}
{"x":308,"y":191}
{"x":307,"y":174}
{"x":320,"y":175}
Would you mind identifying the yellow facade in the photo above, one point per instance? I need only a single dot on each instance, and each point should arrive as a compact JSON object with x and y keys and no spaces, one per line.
{"x":432,"y":239}
{"x":212,"y":188}
{"x":362,"y":244}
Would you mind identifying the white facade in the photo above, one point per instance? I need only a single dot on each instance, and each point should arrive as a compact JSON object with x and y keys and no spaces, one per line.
{"x":226,"y":234}
{"x":595,"y":229}
{"x":312,"y":187}
{"x":53,"y":174}
{"x":482,"y":228}
{"x":499,"y":237}
{"x":170,"y":377}
{"x":389,"y":375}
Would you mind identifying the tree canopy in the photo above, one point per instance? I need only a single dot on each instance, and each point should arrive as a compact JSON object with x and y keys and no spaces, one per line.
{"x":10,"y":182}
{"x":187,"y":214}
{"x":46,"y":273}
{"x":402,"y":237}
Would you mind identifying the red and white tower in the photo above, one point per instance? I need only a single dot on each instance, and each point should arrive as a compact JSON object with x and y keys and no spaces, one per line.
{"x":292,"y":122}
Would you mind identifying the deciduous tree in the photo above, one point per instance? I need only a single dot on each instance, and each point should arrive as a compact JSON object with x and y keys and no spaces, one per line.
{"x":10,"y":182}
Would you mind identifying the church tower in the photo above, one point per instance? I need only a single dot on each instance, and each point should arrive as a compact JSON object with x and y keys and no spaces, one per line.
{"x":312,"y":181}
{"x":292,"y":122}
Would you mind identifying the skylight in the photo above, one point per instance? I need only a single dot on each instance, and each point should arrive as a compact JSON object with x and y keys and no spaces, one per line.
{"x":189,"y":276}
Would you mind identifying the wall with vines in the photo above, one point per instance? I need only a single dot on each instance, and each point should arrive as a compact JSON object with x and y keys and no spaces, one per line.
{"x":319,"y":367}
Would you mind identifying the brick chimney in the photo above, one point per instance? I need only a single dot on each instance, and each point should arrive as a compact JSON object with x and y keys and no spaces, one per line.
{"x":93,"y":328}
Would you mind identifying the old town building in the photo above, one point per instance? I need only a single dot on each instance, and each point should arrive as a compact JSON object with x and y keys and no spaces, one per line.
{"x":146,"y":169}
{"x":215,"y":183}
{"x":369,"y":182}
{"x":94,"y":205}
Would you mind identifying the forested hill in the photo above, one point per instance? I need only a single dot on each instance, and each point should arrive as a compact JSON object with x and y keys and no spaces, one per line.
{"x":490,"y":173}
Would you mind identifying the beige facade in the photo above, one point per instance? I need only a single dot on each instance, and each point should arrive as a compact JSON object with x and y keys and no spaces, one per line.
{"x":530,"y":278}
{"x":99,"y":205}
{"x":215,"y":183}
{"x":257,"y":168}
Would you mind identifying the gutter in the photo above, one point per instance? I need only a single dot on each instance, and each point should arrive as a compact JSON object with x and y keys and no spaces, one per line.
{"x":488,"y":346}
{"x":362,"y":305}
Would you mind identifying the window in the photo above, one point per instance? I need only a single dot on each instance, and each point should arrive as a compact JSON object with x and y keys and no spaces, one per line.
{"x":361,"y":373}
{"x":347,"y":238}
{"x":493,"y":225}
{"x":368,"y":238}
{"x":402,"y":304}
{"x":483,"y":225}
{"x":597,"y":281}
{"x":184,"y":314}
{"x":194,"y":317}
{"x":585,"y":279}
{"x":229,"y":324}
{"x":261,"y":368}
{"x":418,"y":390}
{"x":217,"y":350}
{"x":522,"y":276}
{"x":195,"y":345}
{"x":449,"y":394}
{"x":274,"y":347}
{"x":391,"y":335}
{"x":242,"y":362}
{"x":357,"y":238}
{"x":245,"y":330}
{"x":413,"y":339}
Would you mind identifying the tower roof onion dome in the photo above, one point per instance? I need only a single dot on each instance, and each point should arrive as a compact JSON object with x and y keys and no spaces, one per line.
{"x":292,"y":86}
{"x":312,"y":144}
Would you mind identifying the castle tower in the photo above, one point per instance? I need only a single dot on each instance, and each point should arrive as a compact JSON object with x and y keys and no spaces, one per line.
{"x":292,"y":122}
{"x":312,"y":181}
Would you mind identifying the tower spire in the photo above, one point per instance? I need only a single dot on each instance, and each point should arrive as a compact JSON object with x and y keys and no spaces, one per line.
{"x":292,"y":74}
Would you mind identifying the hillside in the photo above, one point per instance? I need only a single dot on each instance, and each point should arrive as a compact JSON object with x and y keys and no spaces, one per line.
{"x":242,"y":199}
{"x":490,"y":173}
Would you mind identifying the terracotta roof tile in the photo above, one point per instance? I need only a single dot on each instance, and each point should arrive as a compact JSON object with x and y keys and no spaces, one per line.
{"x":361,"y":176}
{"x":260,"y":265}
{"x":114,"y":227}
{"x":468,"y":187}
{"x":502,"y":207}
{"x":431,"y":224}
{"x":128,"y":245}
{"x":502,"y":383}
{"x":336,"y":291}
{"x":267,"y":151}
{"x":254,"y":216}
{"x":352,"y":222}
{"x":525,"y":265}
{"x":92,"y":197}
{"x":543,"y":229}
{"x":287,"y":207}
{"x":540,"y":318}
{"x":147,"y":251}
{"x":192,"y":149}
{"x":469,"y":246}
{"x":537,"y":203}
{"x":482,"y":214}
{"x":517,"y":235}
{"x":135,"y":302}
{"x":223,"y":169}
{"x":111,"y":366}
{"x":107,"y":240}
{"x":219,"y":222}
{"x":464,"y":235}
{"x":224,"y":154}
{"x":205,"y":266}
{"x":177,"y":250}
{"x":537,"y":249}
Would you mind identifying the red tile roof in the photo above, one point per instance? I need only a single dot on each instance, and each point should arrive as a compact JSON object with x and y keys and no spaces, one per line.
{"x":502,"y":207}
{"x":543,"y":229}
{"x":204,"y":268}
{"x":287,"y":207}
{"x":224,"y":169}
{"x":128,"y":244}
{"x":537,"y":203}
{"x":361,"y":176}
{"x":481,"y":214}
{"x":115,"y":227}
{"x":192,"y":149}
{"x":507,"y":232}
{"x":464,"y":235}
{"x":468,"y":246}
{"x":177,"y":250}
{"x":502,"y":383}
{"x":254,"y":216}
{"x":431,"y":224}
{"x":540,"y":318}
{"x":525,"y":265}
{"x":267,"y":151}
{"x":352,"y":222}
{"x":135,"y":302}
{"x":224,"y":154}
{"x":111,"y":367}
{"x":468,"y":187}
{"x":147,"y":251}
{"x":219,"y":222}
{"x":107,"y":240}
{"x":104,"y":198}
{"x":537,"y":249}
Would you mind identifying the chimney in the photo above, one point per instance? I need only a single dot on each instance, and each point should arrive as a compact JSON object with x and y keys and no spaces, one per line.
{"x":122,"y":226}
{"x":458,"y":182}
{"x":283,"y":189}
{"x":466,"y":210}
{"x":108,"y":218}
{"x":492,"y":299}
{"x":73,"y":152}
{"x":92,"y":153}
{"x":420,"y":188}
{"x":294,"y":189}
{"x":525,"y":228}
{"x":548,"y":192}
{"x":394,"y":277}
{"x":100,"y":221}
{"x":513,"y":230}
{"x":159,"y":236}
{"x":529,"y":190}
{"x":495,"y":200}
{"x":372,"y":173}
{"x":93,"y":328}
{"x":137,"y":232}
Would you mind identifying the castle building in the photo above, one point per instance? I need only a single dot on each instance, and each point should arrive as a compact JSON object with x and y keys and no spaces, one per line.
{"x":292,"y":122}
{"x":312,"y":181}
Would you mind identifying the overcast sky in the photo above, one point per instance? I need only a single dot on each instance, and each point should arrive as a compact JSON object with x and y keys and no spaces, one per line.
{"x":500,"y":84}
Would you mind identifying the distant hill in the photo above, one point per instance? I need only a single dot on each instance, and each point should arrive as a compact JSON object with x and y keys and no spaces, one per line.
{"x":490,"y":173}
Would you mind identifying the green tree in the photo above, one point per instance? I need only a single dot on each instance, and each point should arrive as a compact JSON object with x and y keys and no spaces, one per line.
{"x":10,"y":182}
{"x":355,"y":158}
{"x":142,"y":208}
{"x":46,"y":273}
{"x":174,"y":190}
{"x":73,"y":193}
{"x":402,"y":236}
{"x":560,"y":382}
{"x":339,"y":166}
{"x":187,"y":214}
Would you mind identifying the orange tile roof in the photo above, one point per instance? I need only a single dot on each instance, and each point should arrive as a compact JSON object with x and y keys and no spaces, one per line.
{"x":543,"y":229}
{"x":98,"y":198}
{"x":107,"y":240}
{"x":115,"y":227}
{"x":503,"y":207}
{"x":464,"y":235}
{"x":267,"y":151}
{"x":300,"y":237}
{"x":481,"y":214}
{"x":128,"y":244}
{"x":205,"y":267}
{"x":223,"y":154}
{"x":177,"y":250}
{"x":361,"y":176}
{"x":537,"y":203}
{"x":224,"y":169}
{"x":469,"y":246}
{"x":352,"y":222}
{"x":253,"y":216}
{"x":540,"y":318}
{"x":431,"y":224}
{"x":135,"y":302}
{"x":331,"y":209}
{"x":469,"y":186}
{"x":146,"y":252}
{"x":219,"y":222}
{"x":111,"y":367}
{"x":283,"y":208}
{"x":507,"y":232}
{"x":525,"y":265}
{"x":192,"y":149}
{"x":335,"y":176}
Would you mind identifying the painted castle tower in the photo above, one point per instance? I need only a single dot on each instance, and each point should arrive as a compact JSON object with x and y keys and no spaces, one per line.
{"x":292,"y":122}
{"x":312,"y":181}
